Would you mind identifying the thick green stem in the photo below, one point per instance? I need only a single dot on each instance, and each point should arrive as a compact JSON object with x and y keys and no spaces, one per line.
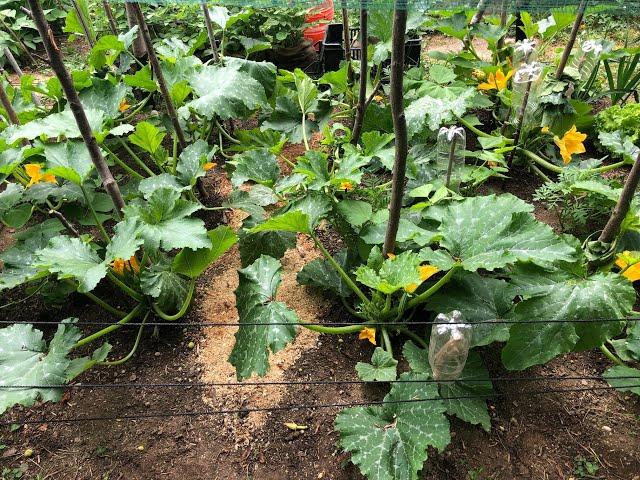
{"x":387,"y":341}
{"x":227,"y":135}
{"x":123,"y":165}
{"x":125,"y":288}
{"x":136,"y":158}
{"x":416,"y":337}
{"x":472,"y":128}
{"x":133,"y":349}
{"x":436,"y":286}
{"x":105,"y":305}
{"x":333,"y":330}
{"x":183,"y":310}
{"x":608,"y":168}
{"x":543,"y":163}
{"x":610,"y":355}
{"x":339,"y":269}
{"x":137,"y":109}
{"x":111,"y":328}
{"x":103,"y":232}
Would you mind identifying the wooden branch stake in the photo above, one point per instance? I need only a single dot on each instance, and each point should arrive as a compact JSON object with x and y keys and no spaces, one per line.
{"x":399,"y":125}
{"x":17,"y":39}
{"x":8,"y":107}
{"x":364,"y":67}
{"x":572,"y":39}
{"x":113,"y":25}
{"x":18,"y":71}
{"x":57,"y":64}
{"x":212,"y":37}
{"x":155,"y":66}
{"x":346,"y":40}
{"x":138,"y":44}
{"x":621,"y":209}
{"x":84,"y":23}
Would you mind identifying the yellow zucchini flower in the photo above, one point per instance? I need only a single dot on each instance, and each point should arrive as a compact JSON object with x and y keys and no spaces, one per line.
{"x":571,"y":143}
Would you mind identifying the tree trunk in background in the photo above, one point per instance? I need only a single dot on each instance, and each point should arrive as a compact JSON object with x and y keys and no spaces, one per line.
{"x":55,"y":59}
{"x":138,"y":44}
{"x":612,"y":227}
{"x":157,"y":71}
{"x":364,"y":67}
{"x":399,"y":124}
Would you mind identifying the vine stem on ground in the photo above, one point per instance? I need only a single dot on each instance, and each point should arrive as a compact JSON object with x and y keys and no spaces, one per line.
{"x":111,"y":328}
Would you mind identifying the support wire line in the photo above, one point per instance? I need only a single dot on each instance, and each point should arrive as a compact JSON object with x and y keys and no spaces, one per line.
{"x":285,"y":408}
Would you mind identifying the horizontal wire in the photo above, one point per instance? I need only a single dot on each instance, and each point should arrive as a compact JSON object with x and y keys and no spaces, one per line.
{"x":328,"y":324}
{"x":142,"y":386}
{"x":202,"y":413}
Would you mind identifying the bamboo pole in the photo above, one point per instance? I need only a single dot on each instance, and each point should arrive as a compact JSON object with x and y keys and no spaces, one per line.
{"x":364,"y":70}
{"x":57,"y":64}
{"x":212,"y":37}
{"x":399,"y":124}
{"x":155,"y":65}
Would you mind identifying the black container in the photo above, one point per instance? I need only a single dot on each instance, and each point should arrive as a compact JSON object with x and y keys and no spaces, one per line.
{"x":332,"y":49}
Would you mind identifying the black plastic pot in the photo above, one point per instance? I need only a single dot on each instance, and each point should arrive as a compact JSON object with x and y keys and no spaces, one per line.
{"x":332,"y":48}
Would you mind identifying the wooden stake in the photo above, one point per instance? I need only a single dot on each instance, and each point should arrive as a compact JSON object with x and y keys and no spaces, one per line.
{"x":399,"y":124}
{"x":84,"y":23}
{"x":138,"y":44}
{"x":113,"y":25}
{"x":8,"y":107}
{"x":212,"y":37}
{"x":346,"y":40}
{"x":572,"y":39}
{"x":621,"y":209}
{"x":364,"y":67}
{"x":18,"y":71}
{"x":155,"y":66}
{"x":57,"y":64}
{"x":17,"y":39}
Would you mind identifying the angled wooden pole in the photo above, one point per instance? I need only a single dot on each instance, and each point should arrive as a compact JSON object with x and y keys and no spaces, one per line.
{"x":212,"y":37}
{"x":18,"y":71}
{"x":572,"y":39}
{"x":8,"y":107}
{"x":621,"y":209}
{"x":155,"y":66}
{"x":57,"y":64}
{"x":113,"y":25}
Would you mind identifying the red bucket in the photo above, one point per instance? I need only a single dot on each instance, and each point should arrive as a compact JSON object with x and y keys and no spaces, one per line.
{"x":322,"y":14}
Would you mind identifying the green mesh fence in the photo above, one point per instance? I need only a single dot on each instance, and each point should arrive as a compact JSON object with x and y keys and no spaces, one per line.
{"x":616,"y":7}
